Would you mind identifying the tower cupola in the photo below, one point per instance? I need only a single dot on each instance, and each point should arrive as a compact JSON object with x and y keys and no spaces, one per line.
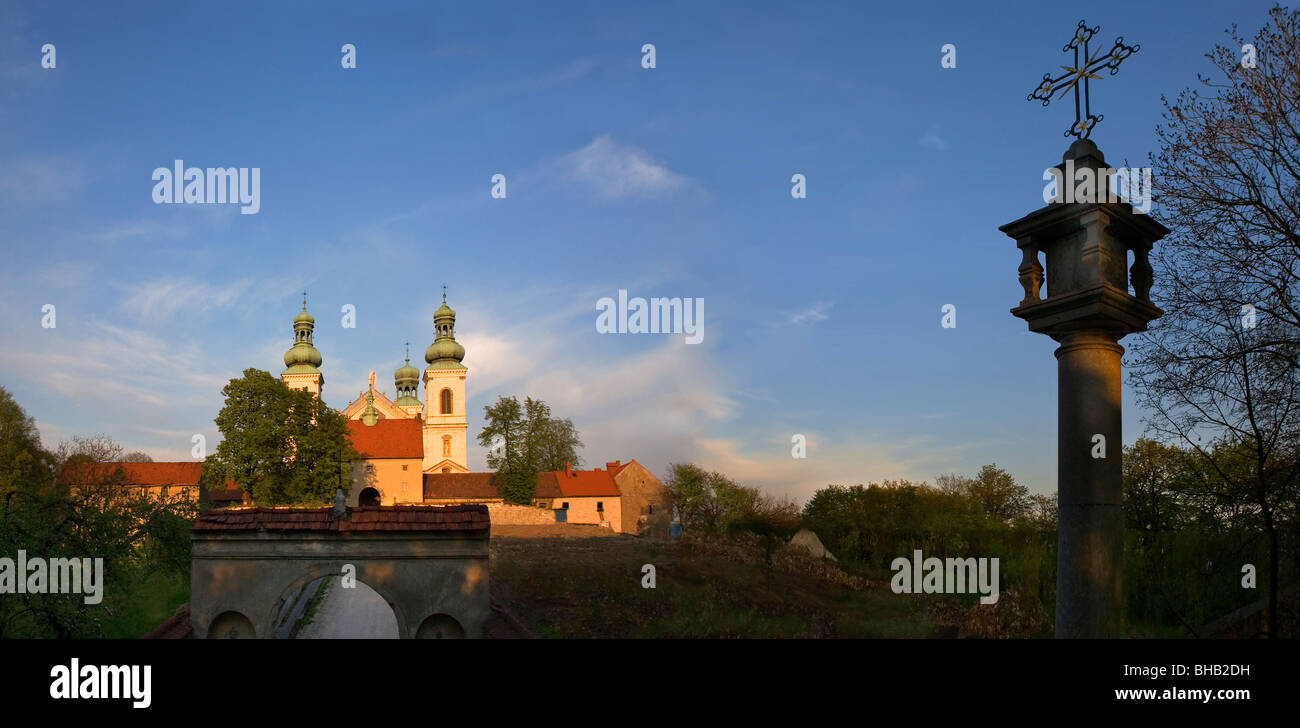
{"x":444,"y":352}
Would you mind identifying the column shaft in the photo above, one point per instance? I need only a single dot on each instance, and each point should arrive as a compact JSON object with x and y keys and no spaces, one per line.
{"x":1091,"y":521}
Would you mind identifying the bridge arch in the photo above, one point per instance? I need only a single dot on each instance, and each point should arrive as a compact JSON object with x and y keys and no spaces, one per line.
{"x":428,"y":563}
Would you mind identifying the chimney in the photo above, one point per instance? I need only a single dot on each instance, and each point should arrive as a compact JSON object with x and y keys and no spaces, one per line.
{"x":568,"y":469}
{"x":611,"y":467}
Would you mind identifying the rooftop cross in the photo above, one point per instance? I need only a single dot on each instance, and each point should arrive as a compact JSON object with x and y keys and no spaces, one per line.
{"x":1084,"y":120}
{"x":444,"y":293}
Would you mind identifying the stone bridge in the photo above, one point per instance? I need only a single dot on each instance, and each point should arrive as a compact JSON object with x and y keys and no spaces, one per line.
{"x":430,"y":563}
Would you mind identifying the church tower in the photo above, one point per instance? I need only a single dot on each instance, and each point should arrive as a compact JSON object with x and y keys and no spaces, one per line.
{"x":302,"y":360}
{"x":445,"y":426}
{"x":407,"y":381}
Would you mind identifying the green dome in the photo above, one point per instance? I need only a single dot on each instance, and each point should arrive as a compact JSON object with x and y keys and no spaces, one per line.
{"x":407,"y":379}
{"x":444,"y":349}
{"x":444,"y":352}
{"x":304,"y":317}
{"x":302,"y":355}
{"x":406,"y":373}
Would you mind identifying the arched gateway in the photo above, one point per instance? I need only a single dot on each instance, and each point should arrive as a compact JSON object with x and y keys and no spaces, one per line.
{"x":430,"y":563}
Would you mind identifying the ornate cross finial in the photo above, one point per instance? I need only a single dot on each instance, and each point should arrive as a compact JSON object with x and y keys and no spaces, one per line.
{"x":1084,"y":120}
{"x":444,"y":293}
{"x":304,"y":300}
{"x":408,"y":352}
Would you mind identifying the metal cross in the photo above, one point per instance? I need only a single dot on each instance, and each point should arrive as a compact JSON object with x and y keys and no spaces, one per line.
{"x":1084,"y":120}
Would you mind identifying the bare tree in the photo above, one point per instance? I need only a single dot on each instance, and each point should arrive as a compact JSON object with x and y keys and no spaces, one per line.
{"x":1220,"y":371}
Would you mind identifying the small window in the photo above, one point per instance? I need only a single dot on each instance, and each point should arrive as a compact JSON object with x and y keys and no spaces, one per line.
{"x":650,"y":509}
{"x":600,"y":506}
{"x":565,"y":506}
{"x":404,"y":467}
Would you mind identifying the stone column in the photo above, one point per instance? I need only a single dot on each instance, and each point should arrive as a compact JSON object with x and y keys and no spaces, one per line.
{"x":1088,"y":309}
{"x":1091,"y":525}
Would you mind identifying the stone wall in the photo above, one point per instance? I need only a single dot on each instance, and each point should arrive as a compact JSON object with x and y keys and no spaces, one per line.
{"x":509,"y":514}
{"x":646,"y":504}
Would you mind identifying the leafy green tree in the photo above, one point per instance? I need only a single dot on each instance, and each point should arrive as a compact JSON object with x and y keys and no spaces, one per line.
{"x":23,"y":462}
{"x":531,"y":442}
{"x":280,"y":445}
{"x":708,"y":501}
{"x":560,"y":445}
{"x":505,"y":420}
{"x":691,"y":490}
{"x":72,"y":505}
{"x":993,"y":488}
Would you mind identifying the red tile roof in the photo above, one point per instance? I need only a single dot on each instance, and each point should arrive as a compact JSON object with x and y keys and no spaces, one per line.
{"x":557,"y":484}
{"x":227,"y":495}
{"x":175,"y":627}
{"x":585,"y":483}
{"x":548,"y":486}
{"x":387,"y":438}
{"x":183,"y":473}
{"x":465,"y":518}
{"x":477,"y":486}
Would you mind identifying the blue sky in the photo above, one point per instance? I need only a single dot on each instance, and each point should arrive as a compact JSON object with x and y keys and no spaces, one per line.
{"x":822,"y":314}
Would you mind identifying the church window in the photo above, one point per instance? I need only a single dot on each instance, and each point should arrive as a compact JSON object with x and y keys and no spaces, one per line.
{"x":446,"y":401}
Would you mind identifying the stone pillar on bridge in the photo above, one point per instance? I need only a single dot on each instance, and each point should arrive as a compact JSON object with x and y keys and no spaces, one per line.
{"x":1088,"y":309}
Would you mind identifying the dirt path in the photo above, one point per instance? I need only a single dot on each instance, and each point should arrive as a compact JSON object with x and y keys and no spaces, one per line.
{"x":357,"y":613}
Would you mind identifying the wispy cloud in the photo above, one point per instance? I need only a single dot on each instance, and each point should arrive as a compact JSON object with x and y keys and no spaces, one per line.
{"x":616,"y":171}
{"x":163,"y":298}
{"x":811,"y":315}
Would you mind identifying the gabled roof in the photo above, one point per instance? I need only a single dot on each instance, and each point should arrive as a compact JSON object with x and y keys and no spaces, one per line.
{"x":584,"y":483}
{"x":615,"y":467}
{"x":386,"y":407}
{"x":388,"y":438}
{"x":182,"y":473}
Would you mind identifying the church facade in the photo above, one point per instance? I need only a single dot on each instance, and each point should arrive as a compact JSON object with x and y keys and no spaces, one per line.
{"x":399,"y":438}
{"x":415,"y":451}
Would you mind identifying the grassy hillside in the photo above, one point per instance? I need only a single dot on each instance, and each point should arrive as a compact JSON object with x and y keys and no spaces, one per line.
{"x":592,"y":587}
